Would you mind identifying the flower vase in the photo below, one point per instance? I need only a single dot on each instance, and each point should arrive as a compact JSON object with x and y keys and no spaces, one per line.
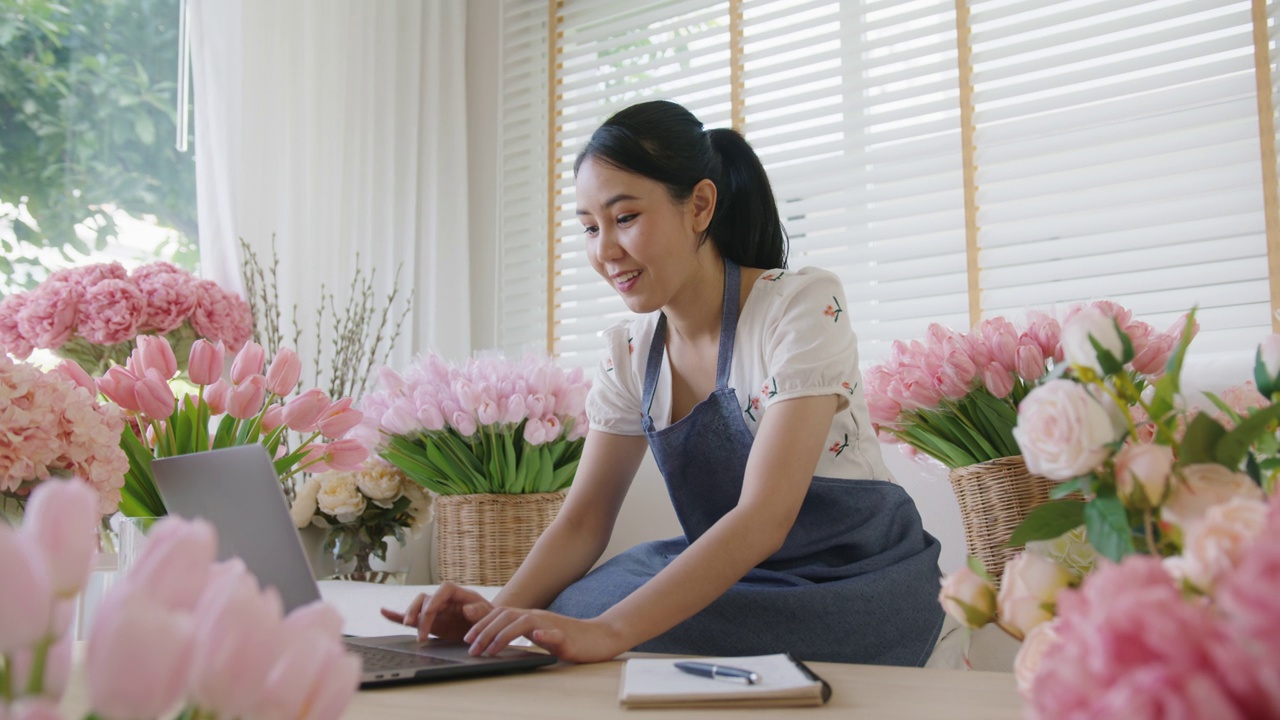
{"x":481,"y":539}
{"x":131,"y":537}
{"x":355,"y":557}
{"x":995,"y":497}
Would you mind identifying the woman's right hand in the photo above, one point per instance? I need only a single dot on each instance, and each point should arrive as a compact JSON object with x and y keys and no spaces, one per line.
{"x":448,"y":614}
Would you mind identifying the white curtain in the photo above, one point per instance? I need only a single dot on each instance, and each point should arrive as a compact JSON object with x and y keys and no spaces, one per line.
{"x":338,"y":126}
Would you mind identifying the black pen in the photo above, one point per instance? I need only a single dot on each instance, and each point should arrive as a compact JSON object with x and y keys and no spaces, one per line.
{"x":718,"y":671}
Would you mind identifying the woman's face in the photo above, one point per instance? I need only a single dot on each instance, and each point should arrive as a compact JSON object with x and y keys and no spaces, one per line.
{"x":645,"y":244}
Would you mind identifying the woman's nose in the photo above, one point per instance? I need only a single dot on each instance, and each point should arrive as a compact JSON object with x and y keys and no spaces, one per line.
{"x":607,"y":245}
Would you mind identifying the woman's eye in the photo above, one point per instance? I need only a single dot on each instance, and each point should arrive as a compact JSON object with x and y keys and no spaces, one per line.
{"x":624,"y":219}
{"x":590,"y":230}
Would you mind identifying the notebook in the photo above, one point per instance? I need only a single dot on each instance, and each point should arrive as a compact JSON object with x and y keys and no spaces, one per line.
{"x":783,"y":682}
{"x":236,"y":489}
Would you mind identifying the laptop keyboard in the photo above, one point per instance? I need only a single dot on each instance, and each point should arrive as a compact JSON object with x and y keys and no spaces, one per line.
{"x":379,"y":659}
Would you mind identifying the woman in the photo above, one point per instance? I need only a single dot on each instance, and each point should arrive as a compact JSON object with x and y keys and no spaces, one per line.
{"x":742,"y":378}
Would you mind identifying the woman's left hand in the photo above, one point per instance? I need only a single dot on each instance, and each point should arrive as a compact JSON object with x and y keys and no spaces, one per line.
{"x":570,"y":639}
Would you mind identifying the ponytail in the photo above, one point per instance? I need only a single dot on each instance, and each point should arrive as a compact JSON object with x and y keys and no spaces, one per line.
{"x":663,"y":141}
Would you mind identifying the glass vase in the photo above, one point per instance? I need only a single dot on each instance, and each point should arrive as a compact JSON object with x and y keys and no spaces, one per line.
{"x":355,"y":558}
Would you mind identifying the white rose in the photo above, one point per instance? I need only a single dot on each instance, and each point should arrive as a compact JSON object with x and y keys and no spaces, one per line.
{"x":340,"y":497}
{"x":1204,"y":485}
{"x":1269,"y":353}
{"x":380,"y":482}
{"x":1143,"y":472}
{"x":1063,"y":431}
{"x":304,"y":503}
{"x":1027,"y":662}
{"x":420,"y":505}
{"x":1218,"y":541}
{"x":1029,"y":591}
{"x":1076,"y":346}
{"x":968,"y":587}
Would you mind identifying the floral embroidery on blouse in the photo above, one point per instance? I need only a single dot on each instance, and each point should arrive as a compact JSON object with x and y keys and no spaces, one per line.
{"x":608,"y":364}
{"x":848,"y":387}
{"x":769,"y":389}
{"x":838,"y":447}
{"x":630,"y":347}
{"x":753,"y":405}
{"x":772,"y":276}
{"x":833,"y":311}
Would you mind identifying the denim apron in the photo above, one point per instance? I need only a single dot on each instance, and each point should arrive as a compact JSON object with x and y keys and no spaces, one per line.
{"x":856,"y":579}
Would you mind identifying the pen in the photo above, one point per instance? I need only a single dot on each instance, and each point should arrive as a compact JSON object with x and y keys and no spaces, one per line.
{"x":718,"y":671}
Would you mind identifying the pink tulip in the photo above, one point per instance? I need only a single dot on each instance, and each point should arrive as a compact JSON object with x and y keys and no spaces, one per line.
{"x":998,"y":380}
{"x":238,"y":627}
{"x":314,"y":617}
{"x":76,"y":374}
{"x":535,"y":432}
{"x":25,"y":593}
{"x":154,"y":396}
{"x":248,"y":362}
{"x":206,"y":360}
{"x":314,"y":459}
{"x":313,"y":679}
{"x":156,"y":354}
{"x":303,"y":412}
{"x":516,"y":410}
{"x":33,"y":709}
{"x":282,"y":376}
{"x":432,"y":419}
{"x":391,"y":380}
{"x":60,"y":521}
{"x":346,"y":454}
{"x":139,"y":655}
{"x":463,"y":423}
{"x":1030,"y":361}
{"x":217,"y":395}
{"x":1046,"y":332}
{"x":339,"y":418}
{"x":273,"y":418}
{"x":118,"y":385}
{"x":246,"y":398}
{"x":56,"y":671}
{"x":884,"y":411}
{"x":175,"y":562}
{"x":400,"y":420}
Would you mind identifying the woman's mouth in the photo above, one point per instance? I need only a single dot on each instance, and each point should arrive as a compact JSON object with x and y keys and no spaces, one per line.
{"x":626,"y":280}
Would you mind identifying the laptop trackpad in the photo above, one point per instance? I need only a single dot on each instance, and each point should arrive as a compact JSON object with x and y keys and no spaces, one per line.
{"x":433,"y":647}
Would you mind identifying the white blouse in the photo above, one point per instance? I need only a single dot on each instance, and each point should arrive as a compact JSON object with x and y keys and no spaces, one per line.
{"x":793,"y":340}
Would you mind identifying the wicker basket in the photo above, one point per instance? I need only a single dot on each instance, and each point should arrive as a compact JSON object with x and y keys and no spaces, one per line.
{"x":994,"y":497}
{"x":481,"y":539}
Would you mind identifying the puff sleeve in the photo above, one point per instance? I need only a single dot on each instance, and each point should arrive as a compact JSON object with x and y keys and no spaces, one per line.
{"x":613,"y":404}
{"x":809,"y":347}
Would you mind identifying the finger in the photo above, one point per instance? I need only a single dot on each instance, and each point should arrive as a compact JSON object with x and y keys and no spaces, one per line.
{"x":435,"y":604}
{"x":526,"y":624}
{"x":410,"y":616}
{"x":479,"y":626}
{"x":473,"y":612}
{"x":494,"y":623}
{"x":392,"y":615}
{"x":550,"y":639}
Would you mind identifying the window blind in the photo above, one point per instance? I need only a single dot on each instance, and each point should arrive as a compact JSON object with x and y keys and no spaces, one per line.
{"x":1115,"y":153}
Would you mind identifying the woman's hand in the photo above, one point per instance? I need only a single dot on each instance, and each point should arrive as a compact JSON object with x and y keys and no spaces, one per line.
{"x":580,"y":641}
{"x":448,"y":614}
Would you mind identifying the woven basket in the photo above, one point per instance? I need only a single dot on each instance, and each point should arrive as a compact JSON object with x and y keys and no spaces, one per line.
{"x":994,"y":497}
{"x":481,"y":539}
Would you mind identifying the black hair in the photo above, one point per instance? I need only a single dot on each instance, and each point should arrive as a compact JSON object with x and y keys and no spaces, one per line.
{"x":663,"y":141}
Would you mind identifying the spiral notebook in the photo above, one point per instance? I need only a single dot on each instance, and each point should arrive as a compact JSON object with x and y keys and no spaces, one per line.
{"x":784,"y":682}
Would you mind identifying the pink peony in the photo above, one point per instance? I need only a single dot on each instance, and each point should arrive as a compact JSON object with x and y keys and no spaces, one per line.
{"x":169,"y":292}
{"x":86,"y":276}
{"x":221,"y":315}
{"x":111,"y":312}
{"x":1130,"y":646}
{"x":48,"y":318}
{"x":12,"y":340}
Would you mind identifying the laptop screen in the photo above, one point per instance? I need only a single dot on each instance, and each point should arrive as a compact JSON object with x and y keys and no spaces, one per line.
{"x":236,"y":489}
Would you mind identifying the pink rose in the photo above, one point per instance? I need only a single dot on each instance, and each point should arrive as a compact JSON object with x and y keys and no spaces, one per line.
{"x":48,"y":318}
{"x":1219,"y":540}
{"x":1249,"y":597}
{"x":1028,"y":591}
{"x":1143,"y":472}
{"x":11,"y":338}
{"x":968,"y":597}
{"x":1063,"y":431}
{"x":1202,"y":486}
{"x":111,"y":313}
{"x":169,"y":294}
{"x":1027,"y":662}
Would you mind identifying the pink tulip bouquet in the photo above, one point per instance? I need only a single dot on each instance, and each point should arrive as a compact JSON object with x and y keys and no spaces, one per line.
{"x":51,"y":424}
{"x":178,"y":634}
{"x":490,"y":426}
{"x":955,"y":396}
{"x":1178,"y":617}
{"x":254,"y":404}
{"x":93,"y":314}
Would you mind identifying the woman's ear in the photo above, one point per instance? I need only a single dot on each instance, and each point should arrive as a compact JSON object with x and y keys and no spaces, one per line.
{"x":702,"y":203}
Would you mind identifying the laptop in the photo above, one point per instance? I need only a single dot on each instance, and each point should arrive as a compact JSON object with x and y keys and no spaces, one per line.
{"x":236,"y":489}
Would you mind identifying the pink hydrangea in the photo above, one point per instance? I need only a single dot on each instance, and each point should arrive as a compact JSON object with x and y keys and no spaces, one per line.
{"x":221,"y":315}
{"x":170,"y":295}
{"x":1131,"y":646}
{"x":1249,"y":599}
{"x":111,"y":312}
{"x":86,"y":276}
{"x":11,"y":338}
{"x":48,"y":318}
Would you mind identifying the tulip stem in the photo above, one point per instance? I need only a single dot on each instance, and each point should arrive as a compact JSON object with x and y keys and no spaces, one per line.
{"x":1151,"y":538}
{"x":202,"y":433}
{"x":6,"y":680}
{"x":35,"y":684}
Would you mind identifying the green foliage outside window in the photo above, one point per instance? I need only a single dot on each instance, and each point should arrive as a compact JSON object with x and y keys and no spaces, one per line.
{"x":87,"y":130}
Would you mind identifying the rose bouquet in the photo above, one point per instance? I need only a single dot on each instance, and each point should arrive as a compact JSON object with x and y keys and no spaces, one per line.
{"x":92,"y":314}
{"x":489,"y":426}
{"x":255,"y":408}
{"x":1174,"y":501}
{"x":359,"y":510}
{"x":179,"y":635}
{"x":51,"y":424}
{"x":955,"y":396}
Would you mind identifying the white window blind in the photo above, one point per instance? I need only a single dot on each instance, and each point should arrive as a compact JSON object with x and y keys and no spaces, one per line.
{"x":1116,"y":153}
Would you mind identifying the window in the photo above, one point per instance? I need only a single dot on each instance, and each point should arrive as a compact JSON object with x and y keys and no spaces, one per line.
{"x":1114,"y":151}
{"x":89,"y":171}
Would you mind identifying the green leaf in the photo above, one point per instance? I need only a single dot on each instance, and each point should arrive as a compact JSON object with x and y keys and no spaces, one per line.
{"x":1048,"y":521}
{"x":546,"y":472}
{"x":563,"y":476}
{"x":975,"y":564}
{"x":1234,"y":445}
{"x":1267,"y":385}
{"x":509,"y":462}
{"x":1108,"y":362}
{"x":1200,"y":443}
{"x":1107,"y":524}
{"x":1078,"y":485}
